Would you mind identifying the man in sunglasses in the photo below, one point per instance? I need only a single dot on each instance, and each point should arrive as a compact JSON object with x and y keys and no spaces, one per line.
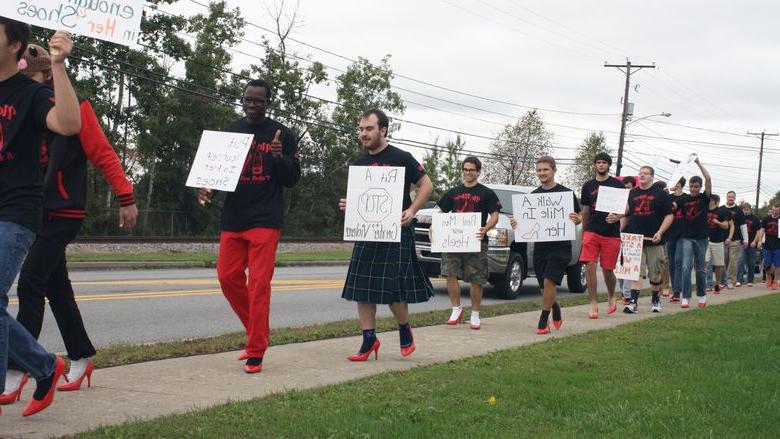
{"x":252,"y":219}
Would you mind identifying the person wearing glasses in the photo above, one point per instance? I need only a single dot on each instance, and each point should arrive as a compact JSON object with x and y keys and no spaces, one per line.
{"x":471,"y":196}
{"x":252,"y":218}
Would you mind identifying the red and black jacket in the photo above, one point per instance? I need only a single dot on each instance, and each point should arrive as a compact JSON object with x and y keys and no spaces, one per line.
{"x":65,"y":159}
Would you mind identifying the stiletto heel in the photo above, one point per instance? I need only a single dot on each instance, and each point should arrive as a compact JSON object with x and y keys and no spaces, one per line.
{"x":16,"y":395}
{"x":37,"y":405}
{"x":76,"y":384}
{"x":365,"y":355}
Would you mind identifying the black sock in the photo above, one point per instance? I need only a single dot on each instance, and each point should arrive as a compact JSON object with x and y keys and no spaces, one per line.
{"x":634,"y":296}
{"x":405,"y":334}
{"x":254,"y":361}
{"x":369,"y":337}
{"x":543,"y":319}
{"x":556,"y":312}
{"x":656,"y":298}
{"x":43,"y":387}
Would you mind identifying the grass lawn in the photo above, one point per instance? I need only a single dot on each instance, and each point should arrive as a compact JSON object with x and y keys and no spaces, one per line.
{"x":704,"y":373}
{"x":281,"y":258}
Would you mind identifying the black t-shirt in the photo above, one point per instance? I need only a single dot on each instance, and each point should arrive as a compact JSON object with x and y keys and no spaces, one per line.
{"x":753,"y":224}
{"x":392,"y":156}
{"x":771,"y":241}
{"x":716,"y":233}
{"x":24,"y":105}
{"x":695,"y":215}
{"x":647,"y":209}
{"x":257,"y":200}
{"x":597,"y":221}
{"x":739,"y":218}
{"x":479,"y":198}
{"x":676,"y":229}
{"x":563,"y":246}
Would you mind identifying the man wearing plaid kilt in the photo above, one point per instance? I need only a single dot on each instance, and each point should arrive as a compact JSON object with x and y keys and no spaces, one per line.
{"x":387,"y":272}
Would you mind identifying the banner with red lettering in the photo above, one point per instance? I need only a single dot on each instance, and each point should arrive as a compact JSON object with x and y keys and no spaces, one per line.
{"x":630,"y":258}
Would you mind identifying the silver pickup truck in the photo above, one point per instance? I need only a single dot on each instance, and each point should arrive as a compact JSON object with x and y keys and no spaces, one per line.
{"x":509,"y":262}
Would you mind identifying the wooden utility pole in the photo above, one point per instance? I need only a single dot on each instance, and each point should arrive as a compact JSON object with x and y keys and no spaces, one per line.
{"x":763,"y":134}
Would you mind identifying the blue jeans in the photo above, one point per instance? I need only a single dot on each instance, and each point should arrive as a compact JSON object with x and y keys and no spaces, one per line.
{"x":15,"y":342}
{"x":674,"y":253}
{"x":747,"y":265}
{"x":693,"y":254}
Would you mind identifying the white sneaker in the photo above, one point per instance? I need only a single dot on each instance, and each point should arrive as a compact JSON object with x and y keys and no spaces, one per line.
{"x":631,"y":308}
{"x":457,"y":313}
{"x":656,"y":307}
{"x":684,"y":303}
{"x":474,"y":322}
{"x":750,"y":284}
{"x":738,"y":284}
{"x":730,"y":286}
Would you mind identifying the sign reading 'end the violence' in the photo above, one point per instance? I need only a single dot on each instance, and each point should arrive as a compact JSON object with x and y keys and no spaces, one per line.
{"x":374,"y":203}
{"x":117,"y":21}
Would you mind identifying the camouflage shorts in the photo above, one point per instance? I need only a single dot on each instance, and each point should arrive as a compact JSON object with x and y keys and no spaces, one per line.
{"x":468,"y":267}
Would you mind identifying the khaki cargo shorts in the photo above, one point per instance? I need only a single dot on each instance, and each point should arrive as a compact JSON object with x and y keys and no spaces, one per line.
{"x":653,"y":257}
{"x":468,"y":267}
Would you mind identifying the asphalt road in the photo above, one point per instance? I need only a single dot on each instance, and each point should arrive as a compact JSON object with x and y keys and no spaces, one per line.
{"x":143,"y":306}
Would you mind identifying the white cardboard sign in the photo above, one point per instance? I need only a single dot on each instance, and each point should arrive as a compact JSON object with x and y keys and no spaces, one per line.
{"x":612,"y":199}
{"x":629,"y":261}
{"x":374,"y":203}
{"x":117,"y":21}
{"x":544,"y":217}
{"x":455,"y":232}
{"x":219,"y":160}
{"x":681,"y":170}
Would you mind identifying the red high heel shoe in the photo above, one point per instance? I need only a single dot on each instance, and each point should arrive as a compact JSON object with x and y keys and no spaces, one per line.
{"x":364,"y":356}
{"x":12,"y":397}
{"x":253,"y":369}
{"x":76,"y":384}
{"x":36,"y":405}
{"x":557,"y":324}
{"x":244,"y":355}
{"x":408,"y":350}
{"x":546,"y":330}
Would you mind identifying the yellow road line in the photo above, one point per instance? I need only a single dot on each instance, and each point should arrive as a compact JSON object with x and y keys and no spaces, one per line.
{"x":181,"y":293}
{"x":210,"y":281}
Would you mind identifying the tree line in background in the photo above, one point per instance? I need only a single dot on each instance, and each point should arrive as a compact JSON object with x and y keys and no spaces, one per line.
{"x":155,"y":101}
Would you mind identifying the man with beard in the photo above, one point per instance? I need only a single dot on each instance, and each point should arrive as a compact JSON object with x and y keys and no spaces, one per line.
{"x":600,"y":239}
{"x":387,"y":272}
{"x":252,"y":218}
{"x":649,"y":213}
{"x":695,"y":235}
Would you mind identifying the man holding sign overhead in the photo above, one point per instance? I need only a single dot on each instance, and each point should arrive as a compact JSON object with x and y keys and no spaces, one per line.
{"x":252,"y":218}
{"x":387,"y":272}
{"x":471,"y":196}
{"x":27,"y":110}
{"x":600,"y":239}
{"x":650,"y":214}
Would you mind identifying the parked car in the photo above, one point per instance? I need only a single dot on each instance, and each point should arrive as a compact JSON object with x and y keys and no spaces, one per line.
{"x":509,"y":262}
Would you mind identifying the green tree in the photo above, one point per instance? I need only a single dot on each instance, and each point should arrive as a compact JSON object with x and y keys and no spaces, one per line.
{"x":582,"y":169}
{"x":515,"y":150}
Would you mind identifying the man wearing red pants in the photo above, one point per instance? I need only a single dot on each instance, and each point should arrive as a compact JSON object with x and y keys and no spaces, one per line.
{"x":601,"y":239}
{"x":252,"y":219}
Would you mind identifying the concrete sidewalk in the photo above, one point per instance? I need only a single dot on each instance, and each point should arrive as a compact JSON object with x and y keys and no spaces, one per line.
{"x":153,"y":389}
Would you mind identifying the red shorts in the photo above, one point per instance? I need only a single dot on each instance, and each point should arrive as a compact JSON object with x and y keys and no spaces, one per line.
{"x":594,"y":245}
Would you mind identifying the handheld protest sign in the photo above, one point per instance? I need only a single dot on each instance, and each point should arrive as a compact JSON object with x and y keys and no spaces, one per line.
{"x":219,"y":160}
{"x":455,"y":232}
{"x":679,"y":172}
{"x":374,"y":203}
{"x":629,"y":261}
{"x":116,"y":21}
{"x":544,"y":217}
{"x":612,"y":199}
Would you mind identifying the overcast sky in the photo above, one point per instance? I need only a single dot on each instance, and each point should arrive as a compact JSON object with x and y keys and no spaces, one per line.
{"x":715,"y":70}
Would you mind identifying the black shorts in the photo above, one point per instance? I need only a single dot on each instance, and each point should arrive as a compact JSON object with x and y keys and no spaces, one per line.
{"x":551,"y":263}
